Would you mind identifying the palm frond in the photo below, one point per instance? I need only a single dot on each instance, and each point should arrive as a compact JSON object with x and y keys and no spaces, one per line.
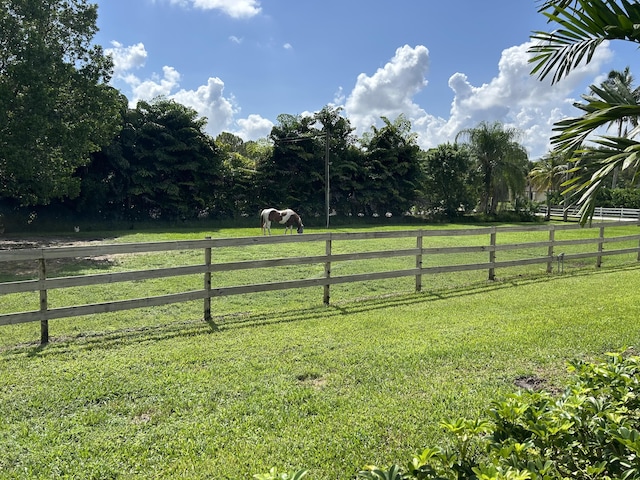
{"x":584,"y":25}
{"x":547,"y":4}
{"x":593,"y":165}
{"x":606,"y":105}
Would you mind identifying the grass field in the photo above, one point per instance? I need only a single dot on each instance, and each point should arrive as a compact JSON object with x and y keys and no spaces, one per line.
{"x":280,"y":380}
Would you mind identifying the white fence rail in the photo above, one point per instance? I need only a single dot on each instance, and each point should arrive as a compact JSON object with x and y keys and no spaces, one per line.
{"x":622,"y":214}
{"x":551,"y":246}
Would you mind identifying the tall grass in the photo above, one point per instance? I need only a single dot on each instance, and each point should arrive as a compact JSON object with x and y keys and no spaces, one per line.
{"x":287,"y":382}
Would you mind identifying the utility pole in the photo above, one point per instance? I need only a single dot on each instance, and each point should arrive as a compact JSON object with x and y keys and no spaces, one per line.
{"x":326,"y":172}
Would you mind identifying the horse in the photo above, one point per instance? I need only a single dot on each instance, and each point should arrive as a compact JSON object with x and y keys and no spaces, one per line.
{"x":286,"y":217}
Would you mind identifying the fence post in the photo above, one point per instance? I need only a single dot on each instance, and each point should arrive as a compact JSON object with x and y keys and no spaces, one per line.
{"x":419,"y":262}
{"x":492,"y":254}
{"x":638,"y":223}
{"x":600,"y":245}
{"x":207,"y":283}
{"x":44,"y":303}
{"x":327,"y":270}
{"x":552,"y":239}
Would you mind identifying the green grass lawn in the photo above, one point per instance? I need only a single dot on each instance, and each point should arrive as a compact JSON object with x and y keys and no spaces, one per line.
{"x":287,"y":382}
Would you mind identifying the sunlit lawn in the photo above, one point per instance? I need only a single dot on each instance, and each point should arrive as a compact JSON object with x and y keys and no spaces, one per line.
{"x":278,"y":379}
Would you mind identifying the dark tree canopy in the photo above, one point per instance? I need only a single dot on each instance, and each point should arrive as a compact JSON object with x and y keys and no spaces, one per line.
{"x":294,"y":175}
{"x":392,"y":169}
{"x":57,"y":107}
{"x":239,"y":160}
{"x":448,"y":187}
{"x":161,"y":165}
{"x":345,"y":160}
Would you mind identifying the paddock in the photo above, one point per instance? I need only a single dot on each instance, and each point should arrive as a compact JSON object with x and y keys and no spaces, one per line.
{"x":223,"y":267}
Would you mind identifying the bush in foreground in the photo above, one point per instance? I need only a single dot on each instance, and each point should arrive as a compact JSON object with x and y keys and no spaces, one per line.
{"x":590,"y":431}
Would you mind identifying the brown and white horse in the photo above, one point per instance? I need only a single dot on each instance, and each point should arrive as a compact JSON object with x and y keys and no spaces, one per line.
{"x":286,"y":217}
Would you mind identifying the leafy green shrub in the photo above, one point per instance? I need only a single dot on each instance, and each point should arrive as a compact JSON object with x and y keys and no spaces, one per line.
{"x":625,"y":197}
{"x":274,"y":474}
{"x":619,"y":198}
{"x":590,"y":431}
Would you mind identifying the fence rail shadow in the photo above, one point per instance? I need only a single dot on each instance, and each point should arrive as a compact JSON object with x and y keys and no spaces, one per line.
{"x":601,"y":240}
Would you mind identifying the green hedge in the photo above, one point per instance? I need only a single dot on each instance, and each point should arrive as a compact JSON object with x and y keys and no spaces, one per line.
{"x":619,"y":198}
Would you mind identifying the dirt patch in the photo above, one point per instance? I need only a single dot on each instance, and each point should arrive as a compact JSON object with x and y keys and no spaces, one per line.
{"x":44,"y":242}
{"x":316,"y":381}
{"x":21,"y":270}
{"x":530,"y":382}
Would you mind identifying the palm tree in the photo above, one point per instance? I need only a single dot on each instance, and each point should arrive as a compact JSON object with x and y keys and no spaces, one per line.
{"x":501,"y":162}
{"x":623,"y":82}
{"x":548,"y":174}
{"x":583,"y":26}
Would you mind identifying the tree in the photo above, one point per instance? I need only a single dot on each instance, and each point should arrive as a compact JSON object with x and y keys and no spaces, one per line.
{"x":392,"y":171}
{"x":177,"y":166}
{"x":161,"y":165}
{"x":105,"y":181}
{"x":344,"y":159}
{"x":501,"y":162}
{"x":583,"y":26}
{"x":447,"y":187}
{"x":239,"y":176}
{"x":623,"y":83}
{"x":294,"y":175}
{"x":548,"y":174}
{"x":259,"y":151}
{"x":56,"y":105}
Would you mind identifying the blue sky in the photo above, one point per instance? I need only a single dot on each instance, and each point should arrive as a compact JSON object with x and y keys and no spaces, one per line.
{"x":445,"y":65}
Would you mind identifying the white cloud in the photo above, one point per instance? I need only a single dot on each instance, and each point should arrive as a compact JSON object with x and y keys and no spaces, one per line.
{"x":513,"y":97}
{"x":235,"y":39}
{"x":253,"y":127}
{"x":233,"y":8}
{"x":126,"y":58}
{"x":389,"y":92}
{"x":516,"y":98}
{"x":208,"y":100}
{"x":287,"y":46}
{"x":154,"y":87}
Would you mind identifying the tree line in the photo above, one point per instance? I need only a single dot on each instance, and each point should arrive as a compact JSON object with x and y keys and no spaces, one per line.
{"x":71,"y":145}
{"x":70,"y":142}
{"x":163,"y":165}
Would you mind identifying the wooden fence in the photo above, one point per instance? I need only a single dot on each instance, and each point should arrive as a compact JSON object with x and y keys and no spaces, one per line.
{"x":43,"y":284}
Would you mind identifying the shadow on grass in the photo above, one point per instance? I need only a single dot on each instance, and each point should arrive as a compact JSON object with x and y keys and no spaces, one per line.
{"x":193,"y":328}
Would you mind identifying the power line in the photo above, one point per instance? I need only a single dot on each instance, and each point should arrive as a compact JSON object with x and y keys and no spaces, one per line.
{"x":300,"y":138}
